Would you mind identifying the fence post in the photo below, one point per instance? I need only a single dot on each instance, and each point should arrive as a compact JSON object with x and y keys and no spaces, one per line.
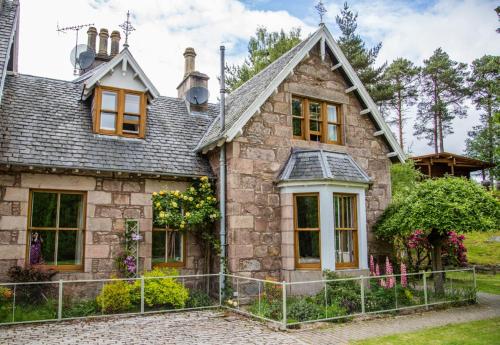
{"x":260,"y":292}
{"x":59,"y":305}
{"x":362,"y":295}
{"x":142,"y":295}
{"x":475,"y":282}
{"x":425,"y":290}
{"x":283,"y":284}
{"x":220,"y":288}
{"x":14,"y":304}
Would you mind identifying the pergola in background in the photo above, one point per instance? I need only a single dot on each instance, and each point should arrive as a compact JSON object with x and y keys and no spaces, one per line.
{"x":440,"y":164}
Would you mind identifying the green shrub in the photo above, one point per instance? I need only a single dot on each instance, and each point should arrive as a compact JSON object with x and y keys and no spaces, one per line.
{"x":162,"y":291}
{"x":85,"y":308}
{"x":269,"y":309}
{"x":33,"y":293}
{"x":198,"y":298}
{"x":344,"y":293}
{"x":115,"y":297}
{"x":304,"y":309}
{"x":335,"y":310}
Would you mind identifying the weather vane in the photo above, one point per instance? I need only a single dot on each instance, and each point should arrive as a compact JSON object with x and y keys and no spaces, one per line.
{"x":321,"y":10}
{"x":127,"y":29}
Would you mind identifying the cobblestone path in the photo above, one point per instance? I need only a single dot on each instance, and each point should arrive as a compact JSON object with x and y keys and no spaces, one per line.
{"x":214,"y":327}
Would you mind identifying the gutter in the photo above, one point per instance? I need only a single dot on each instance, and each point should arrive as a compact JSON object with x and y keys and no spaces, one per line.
{"x":222,"y":170}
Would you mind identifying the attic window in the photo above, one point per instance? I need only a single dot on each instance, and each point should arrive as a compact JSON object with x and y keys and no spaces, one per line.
{"x":119,"y":112}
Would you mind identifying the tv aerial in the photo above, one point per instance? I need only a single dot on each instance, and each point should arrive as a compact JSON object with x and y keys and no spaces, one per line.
{"x":197,"y":95}
{"x":82,"y":56}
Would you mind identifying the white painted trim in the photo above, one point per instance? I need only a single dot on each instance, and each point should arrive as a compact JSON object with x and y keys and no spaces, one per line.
{"x":327,"y":234}
{"x":337,"y":66}
{"x":125,"y":58}
{"x":310,"y":183}
{"x":352,"y":88}
{"x":364,"y":111}
{"x":392,"y":154}
{"x":378,"y":133}
{"x":322,"y":48}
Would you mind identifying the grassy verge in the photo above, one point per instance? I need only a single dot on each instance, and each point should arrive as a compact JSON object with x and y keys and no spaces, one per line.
{"x":480,"y":251}
{"x":489,"y":283}
{"x":469,"y":333}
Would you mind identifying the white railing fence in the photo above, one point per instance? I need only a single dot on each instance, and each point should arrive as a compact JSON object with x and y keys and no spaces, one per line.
{"x":285,"y":304}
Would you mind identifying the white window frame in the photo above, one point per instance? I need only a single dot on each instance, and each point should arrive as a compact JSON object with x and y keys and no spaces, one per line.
{"x":327,"y":233}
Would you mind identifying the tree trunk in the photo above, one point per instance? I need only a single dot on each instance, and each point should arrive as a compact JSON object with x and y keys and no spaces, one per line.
{"x":491,"y":147}
{"x":400,"y":120}
{"x":435,"y":130}
{"x":436,"y":240}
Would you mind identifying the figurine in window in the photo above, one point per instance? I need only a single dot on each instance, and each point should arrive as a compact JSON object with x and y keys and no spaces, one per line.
{"x":36,"y":249}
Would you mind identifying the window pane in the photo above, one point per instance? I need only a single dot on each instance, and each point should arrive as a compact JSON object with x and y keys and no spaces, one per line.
{"x":132,"y":103}
{"x":297,"y":127}
{"x":42,"y":247}
{"x":344,"y":242}
{"x":315,"y":137}
{"x":315,"y":110}
{"x":309,"y":250}
{"x":159,"y":250}
{"x":332,"y":113}
{"x":108,"y":100}
{"x":70,"y":213}
{"x":314,"y":126}
{"x":44,"y":210}
{"x":307,"y":211}
{"x":332,"y":132}
{"x":108,"y":121}
{"x":69,"y":247}
{"x":131,"y":128}
{"x":296,"y":107}
{"x":131,"y":118}
{"x":174,"y":246}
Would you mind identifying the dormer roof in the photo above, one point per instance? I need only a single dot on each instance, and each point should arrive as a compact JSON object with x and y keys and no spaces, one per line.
{"x":122,"y":61}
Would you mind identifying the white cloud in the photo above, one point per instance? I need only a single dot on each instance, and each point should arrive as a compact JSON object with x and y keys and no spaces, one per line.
{"x":163,"y":30}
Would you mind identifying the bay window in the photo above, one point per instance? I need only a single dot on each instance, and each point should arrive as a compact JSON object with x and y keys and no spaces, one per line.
{"x":346,"y":230}
{"x":307,"y":231}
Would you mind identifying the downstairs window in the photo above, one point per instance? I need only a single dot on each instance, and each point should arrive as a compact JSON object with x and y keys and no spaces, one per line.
{"x":346,"y":230}
{"x":307,"y":231}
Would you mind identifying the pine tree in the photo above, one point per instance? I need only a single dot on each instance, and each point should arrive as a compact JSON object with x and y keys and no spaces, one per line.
{"x":263,"y":49}
{"x":402,"y":80}
{"x":361,"y":58}
{"x":442,"y":95}
{"x":484,"y":140}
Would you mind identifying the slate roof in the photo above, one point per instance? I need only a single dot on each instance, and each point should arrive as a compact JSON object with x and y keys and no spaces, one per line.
{"x":322,"y":165}
{"x":43,"y":122}
{"x":240,"y":99}
{"x":8,"y":17}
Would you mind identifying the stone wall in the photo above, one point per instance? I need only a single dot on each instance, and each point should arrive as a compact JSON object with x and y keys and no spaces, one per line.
{"x":110,"y":201}
{"x":256,"y":157}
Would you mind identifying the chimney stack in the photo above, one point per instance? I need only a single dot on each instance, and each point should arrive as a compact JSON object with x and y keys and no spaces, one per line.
{"x":103,"y":43}
{"x":92,"y":35}
{"x":115,"y":43}
{"x":189,"y":61}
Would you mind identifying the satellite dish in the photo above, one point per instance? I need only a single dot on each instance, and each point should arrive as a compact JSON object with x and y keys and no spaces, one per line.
{"x":82,"y":56}
{"x":197,"y":95}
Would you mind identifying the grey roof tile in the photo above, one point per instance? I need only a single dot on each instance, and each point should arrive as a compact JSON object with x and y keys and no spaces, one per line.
{"x":8,"y":14}
{"x":322,"y":165}
{"x":43,"y":122}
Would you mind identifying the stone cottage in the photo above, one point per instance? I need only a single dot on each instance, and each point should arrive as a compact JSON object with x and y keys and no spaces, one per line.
{"x":308,"y":158}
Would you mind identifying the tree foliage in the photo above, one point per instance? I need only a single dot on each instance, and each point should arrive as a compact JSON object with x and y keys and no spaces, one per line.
{"x":442,"y":94}
{"x":483,"y":142}
{"x":361,"y":58}
{"x":404,"y":179}
{"x":263,"y":48}
{"x":401,"y":78}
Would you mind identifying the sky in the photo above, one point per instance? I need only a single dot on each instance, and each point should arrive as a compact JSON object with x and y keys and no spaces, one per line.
{"x":409,"y":29}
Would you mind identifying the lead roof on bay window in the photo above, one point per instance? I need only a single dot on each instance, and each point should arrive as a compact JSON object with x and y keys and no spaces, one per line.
{"x":322,"y":165}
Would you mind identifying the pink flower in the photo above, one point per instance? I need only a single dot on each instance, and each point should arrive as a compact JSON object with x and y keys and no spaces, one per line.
{"x":372,"y":265}
{"x":389,"y":271}
{"x":404,"y":277}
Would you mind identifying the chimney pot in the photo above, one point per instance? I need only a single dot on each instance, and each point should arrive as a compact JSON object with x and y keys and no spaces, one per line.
{"x":189,"y":61}
{"x":92,"y":35}
{"x":115,"y":43}
{"x":103,"y":42}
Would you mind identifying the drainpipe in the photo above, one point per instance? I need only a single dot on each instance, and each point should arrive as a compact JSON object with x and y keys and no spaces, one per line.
{"x":222,"y":167}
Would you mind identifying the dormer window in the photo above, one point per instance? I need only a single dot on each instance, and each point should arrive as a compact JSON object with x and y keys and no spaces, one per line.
{"x":119,"y":112}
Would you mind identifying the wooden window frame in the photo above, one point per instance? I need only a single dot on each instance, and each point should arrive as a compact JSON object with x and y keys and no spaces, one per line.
{"x":179,"y":264}
{"x":62,"y":268}
{"x":355,"y":230}
{"x":306,"y":118}
{"x":120,"y":112}
{"x":301,"y":117}
{"x":315,"y":266}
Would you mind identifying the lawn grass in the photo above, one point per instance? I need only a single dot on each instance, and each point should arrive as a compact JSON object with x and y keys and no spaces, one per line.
{"x":469,"y":333}
{"x":489,"y":283}
{"x":480,"y":251}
